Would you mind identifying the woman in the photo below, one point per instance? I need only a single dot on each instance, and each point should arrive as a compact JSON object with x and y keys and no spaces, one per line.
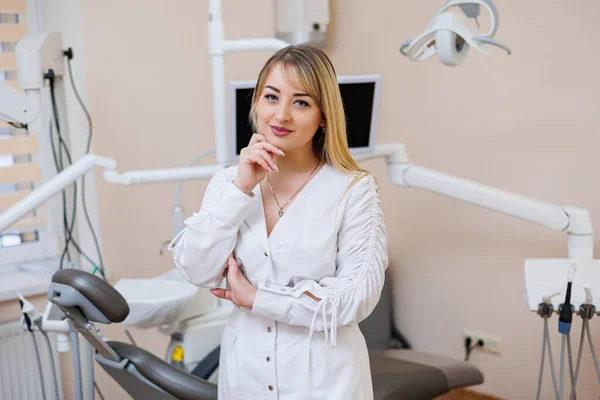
{"x":297,"y":229}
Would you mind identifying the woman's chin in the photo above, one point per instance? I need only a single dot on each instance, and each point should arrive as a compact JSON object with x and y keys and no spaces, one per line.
{"x":277,"y":140}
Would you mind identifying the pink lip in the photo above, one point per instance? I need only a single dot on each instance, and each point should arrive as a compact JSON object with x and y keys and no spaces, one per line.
{"x":280,"y":131}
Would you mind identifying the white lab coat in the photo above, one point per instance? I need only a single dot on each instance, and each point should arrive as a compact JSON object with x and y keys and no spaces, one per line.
{"x":332,"y":242}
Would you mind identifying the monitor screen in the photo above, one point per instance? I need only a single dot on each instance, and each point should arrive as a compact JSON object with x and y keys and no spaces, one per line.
{"x":360,"y":96}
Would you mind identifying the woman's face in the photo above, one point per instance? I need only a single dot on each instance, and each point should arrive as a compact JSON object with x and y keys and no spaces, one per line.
{"x":286,"y":115}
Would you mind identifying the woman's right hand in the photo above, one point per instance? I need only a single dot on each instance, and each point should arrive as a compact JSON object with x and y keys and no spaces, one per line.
{"x":255,"y":161}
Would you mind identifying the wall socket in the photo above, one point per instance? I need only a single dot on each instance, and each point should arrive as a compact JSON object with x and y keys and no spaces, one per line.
{"x":491,"y":344}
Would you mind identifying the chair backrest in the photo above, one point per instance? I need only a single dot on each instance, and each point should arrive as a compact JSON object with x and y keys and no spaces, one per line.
{"x":378,"y":328}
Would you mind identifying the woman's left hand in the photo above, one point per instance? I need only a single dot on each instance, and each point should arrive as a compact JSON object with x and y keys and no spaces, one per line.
{"x":242,"y":293}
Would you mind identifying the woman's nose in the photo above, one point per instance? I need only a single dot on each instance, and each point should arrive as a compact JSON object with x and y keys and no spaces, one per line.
{"x":282,"y":114}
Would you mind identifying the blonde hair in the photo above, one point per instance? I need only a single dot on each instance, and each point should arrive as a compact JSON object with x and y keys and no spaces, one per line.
{"x":315,"y":74}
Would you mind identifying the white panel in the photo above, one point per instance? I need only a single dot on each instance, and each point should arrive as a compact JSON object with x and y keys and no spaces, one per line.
{"x":545,"y":277}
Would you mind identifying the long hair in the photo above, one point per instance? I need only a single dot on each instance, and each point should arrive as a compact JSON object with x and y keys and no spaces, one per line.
{"x":313,"y":71}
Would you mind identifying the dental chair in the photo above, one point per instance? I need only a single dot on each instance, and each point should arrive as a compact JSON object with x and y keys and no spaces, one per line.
{"x":84,"y":297}
{"x":397,"y":373}
{"x":400,"y":373}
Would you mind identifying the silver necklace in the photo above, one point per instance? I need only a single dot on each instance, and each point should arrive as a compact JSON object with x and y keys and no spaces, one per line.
{"x":280,"y":212}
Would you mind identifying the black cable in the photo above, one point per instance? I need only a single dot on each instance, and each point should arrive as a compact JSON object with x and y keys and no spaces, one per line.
{"x":98,"y":390}
{"x":589,"y":336}
{"x":579,"y":353}
{"x":18,"y":125}
{"x":130,"y":337}
{"x":78,"y":248}
{"x":58,"y":163}
{"x":58,"y":169}
{"x":89,"y":222}
{"x":551,"y":359}
{"x":562,"y":366}
{"x":469,"y":348}
{"x":70,"y":160}
{"x":541,"y":376}
{"x":59,"y":166}
{"x":67,"y":232}
{"x":39,"y":363}
{"x":69,"y":55}
{"x":71,"y":226}
{"x":56,"y":395}
{"x":63,"y":193}
{"x":570,"y":356}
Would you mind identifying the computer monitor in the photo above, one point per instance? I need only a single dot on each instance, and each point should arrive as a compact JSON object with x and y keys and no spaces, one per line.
{"x":360,"y":96}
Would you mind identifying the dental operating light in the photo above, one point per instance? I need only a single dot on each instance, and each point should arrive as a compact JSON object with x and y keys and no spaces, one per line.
{"x":450,"y":35}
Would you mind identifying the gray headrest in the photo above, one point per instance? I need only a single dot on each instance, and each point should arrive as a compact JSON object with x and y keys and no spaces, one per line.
{"x":97,"y":300}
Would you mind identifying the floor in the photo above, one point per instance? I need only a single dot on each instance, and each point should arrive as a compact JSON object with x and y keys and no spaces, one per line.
{"x":466,"y":395}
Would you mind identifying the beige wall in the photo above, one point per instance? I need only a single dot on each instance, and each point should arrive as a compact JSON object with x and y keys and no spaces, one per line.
{"x":525,"y":123}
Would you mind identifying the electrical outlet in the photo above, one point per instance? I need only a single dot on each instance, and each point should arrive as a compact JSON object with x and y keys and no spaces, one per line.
{"x":491,"y":344}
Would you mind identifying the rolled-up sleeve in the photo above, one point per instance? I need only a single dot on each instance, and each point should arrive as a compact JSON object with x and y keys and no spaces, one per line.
{"x":351,"y":295}
{"x":201,"y":249}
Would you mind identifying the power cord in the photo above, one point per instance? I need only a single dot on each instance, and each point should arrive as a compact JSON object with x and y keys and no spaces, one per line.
{"x":75,"y":244}
{"x":100,"y":266}
{"x":58,"y":163}
{"x":98,"y":390}
{"x":28,"y":324}
{"x":39,"y":325}
{"x":469,"y":348}
{"x":69,"y":54}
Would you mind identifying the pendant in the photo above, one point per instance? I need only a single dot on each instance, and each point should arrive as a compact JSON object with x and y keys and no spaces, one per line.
{"x":280,"y":213}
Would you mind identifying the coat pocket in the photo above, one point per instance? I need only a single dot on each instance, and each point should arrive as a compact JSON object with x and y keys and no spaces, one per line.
{"x":227,"y":362}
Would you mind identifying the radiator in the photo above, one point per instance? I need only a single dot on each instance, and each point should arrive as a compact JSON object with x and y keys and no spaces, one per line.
{"x":19,"y":373}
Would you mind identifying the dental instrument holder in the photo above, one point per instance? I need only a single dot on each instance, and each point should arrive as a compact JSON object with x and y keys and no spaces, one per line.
{"x":545,"y":310}
{"x":587,"y":311}
{"x":565,"y":318}
{"x":564,"y":325}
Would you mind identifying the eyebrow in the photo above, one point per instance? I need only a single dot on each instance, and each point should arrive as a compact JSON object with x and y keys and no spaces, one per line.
{"x":295,"y":94}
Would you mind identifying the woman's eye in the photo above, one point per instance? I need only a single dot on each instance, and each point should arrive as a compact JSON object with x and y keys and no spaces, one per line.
{"x":270,"y":97}
{"x":302,"y":103}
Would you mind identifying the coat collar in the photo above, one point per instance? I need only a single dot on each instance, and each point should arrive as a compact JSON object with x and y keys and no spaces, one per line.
{"x":256,"y":218}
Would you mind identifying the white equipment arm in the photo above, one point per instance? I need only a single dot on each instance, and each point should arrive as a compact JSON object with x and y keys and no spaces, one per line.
{"x":574,"y":221}
{"x":162,"y":175}
{"x":15,"y":106}
{"x":86,"y":164}
{"x":217,"y":47}
{"x":52,"y":187}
